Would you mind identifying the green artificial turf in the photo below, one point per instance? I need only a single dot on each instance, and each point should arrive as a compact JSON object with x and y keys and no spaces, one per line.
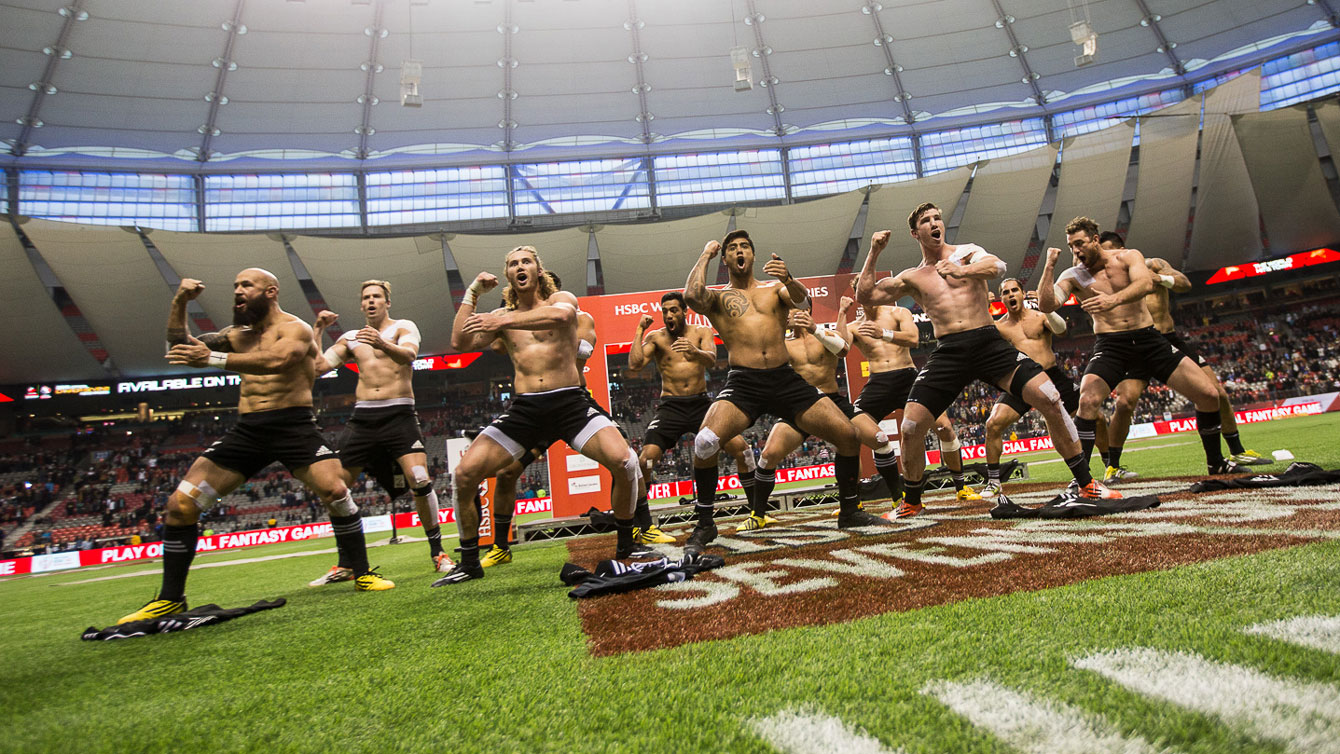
{"x":501,"y":664}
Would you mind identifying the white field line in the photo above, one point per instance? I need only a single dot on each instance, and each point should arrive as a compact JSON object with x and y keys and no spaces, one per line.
{"x":1124,"y":453}
{"x":1303,"y":716}
{"x":803,"y":732}
{"x":1313,"y":631}
{"x":1033,"y":725}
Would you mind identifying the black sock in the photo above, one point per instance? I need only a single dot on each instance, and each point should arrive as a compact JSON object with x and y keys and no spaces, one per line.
{"x":1085,"y":428}
{"x":750,"y":489}
{"x":848,"y":471}
{"x":705,"y":484}
{"x":913,"y":491}
{"x":1079,"y":466}
{"x":178,"y":552}
{"x":623,"y":528}
{"x":1234,"y":442}
{"x":993,"y":473}
{"x":1207,"y":423}
{"x":502,"y":528}
{"x":434,"y":541}
{"x":1105,"y":455}
{"x":642,"y":514}
{"x":764,"y":481}
{"x":887,"y":466}
{"x":958,"y":480}
{"x":469,"y":551}
{"x":1114,"y":456}
{"x":350,"y":542}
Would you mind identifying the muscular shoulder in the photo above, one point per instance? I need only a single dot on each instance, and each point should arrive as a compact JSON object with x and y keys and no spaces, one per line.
{"x":965,"y":251}
{"x":563,"y":298}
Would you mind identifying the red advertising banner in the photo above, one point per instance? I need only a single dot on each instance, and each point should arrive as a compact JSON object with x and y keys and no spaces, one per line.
{"x":1257,"y":269}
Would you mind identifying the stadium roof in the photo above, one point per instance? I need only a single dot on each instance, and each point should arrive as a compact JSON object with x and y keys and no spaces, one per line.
{"x":217,"y":81}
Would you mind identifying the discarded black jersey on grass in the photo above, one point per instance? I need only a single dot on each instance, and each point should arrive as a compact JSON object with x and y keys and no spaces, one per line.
{"x":206,"y":615}
{"x":1066,"y":506}
{"x":1299,"y":474}
{"x":615,"y":577}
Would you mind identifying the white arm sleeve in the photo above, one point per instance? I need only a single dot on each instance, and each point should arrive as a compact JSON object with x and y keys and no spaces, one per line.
{"x":409,"y":335}
{"x":1055,"y":323}
{"x":831,"y":340}
{"x":1059,"y":294}
{"x":585,"y":349}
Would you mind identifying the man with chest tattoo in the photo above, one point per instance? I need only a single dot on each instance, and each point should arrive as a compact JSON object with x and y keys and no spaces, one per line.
{"x":683,"y":353}
{"x":1030,"y":331}
{"x":1111,"y":285}
{"x":751,"y":316}
{"x":276,"y":354}
{"x":383,"y":435}
{"x":950,"y":285}
{"x":538,"y":326}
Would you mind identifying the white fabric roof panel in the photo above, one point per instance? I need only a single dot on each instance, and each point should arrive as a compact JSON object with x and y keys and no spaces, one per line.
{"x":1227,"y":224}
{"x":893,"y":202}
{"x":1093,"y":176}
{"x":110,"y":276}
{"x":1163,"y":184}
{"x":563,"y":251}
{"x":1003,"y":205}
{"x":658,"y":255}
{"x":810,"y":236}
{"x":215,"y":259}
{"x":1286,"y":176}
{"x":40,"y":347}
{"x":413,"y":266}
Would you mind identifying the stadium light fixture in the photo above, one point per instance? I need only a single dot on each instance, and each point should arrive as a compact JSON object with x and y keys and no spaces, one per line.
{"x":1083,"y":34}
{"x":411,"y":75}
{"x":744,"y":73}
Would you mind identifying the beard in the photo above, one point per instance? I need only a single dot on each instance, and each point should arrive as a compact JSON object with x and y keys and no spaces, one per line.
{"x":678,"y":328}
{"x":254,"y":311}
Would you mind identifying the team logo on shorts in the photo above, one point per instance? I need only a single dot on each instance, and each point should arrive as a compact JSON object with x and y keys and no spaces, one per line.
{"x":324,"y":451}
{"x":418,"y":445}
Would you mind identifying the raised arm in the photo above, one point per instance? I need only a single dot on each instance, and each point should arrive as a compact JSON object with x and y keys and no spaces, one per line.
{"x":464,"y":341}
{"x":179,"y":333}
{"x":338,"y":353}
{"x":640,"y":352}
{"x":792,"y":294}
{"x":701,"y":298}
{"x":1050,"y":293}
{"x":1168,"y":276}
{"x":293,"y":344}
{"x":866,"y":286}
{"x":844,"y":332}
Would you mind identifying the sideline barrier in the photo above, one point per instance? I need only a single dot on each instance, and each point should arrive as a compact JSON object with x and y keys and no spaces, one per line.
{"x":1304,"y":406}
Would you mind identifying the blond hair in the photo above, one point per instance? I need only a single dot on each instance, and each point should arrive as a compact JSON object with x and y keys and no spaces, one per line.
{"x":385,"y":286}
{"x":546,"y":287}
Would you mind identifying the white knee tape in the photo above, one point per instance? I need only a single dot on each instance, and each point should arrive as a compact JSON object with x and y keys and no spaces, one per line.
{"x":763,"y":463}
{"x":420,"y":475}
{"x":1050,"y":392}
{"x":631,"y":467}
{"x":949,"y":446}
{"x":706,"y":444}
{"x":203,"y":496}
{"x":343,"y":506}
{"x":885,"y":444}
{"x":749,"y":463}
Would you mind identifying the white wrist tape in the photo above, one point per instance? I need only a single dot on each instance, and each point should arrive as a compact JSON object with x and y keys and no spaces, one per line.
{"x":1055,"y":323}
{"x":887,"y":336}
{"x":218,"y":359}
{"x":1059,"y":294}
{"x":585,"y":349}
{"x":471,"y":294}
{"x":1167,"y":281}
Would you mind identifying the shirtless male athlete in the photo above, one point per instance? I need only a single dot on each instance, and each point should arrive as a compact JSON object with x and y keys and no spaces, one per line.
{"x":1167,"y":278}
{"x":950,"y":285}
{"x":1111,"y":285}
{"x":538,"y":326}
{"x":751,"y":317}
{"x":683,"y":353}
{"x":276,"y":354}
{"x":383,"y":435}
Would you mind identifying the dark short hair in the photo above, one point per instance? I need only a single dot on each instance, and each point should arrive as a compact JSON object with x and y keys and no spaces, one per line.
{"x":916,"y":213}
{"x":1001,"y":287}
{"x":734,"y":234}
{"x":674,"y":296}
{"x":1112,"y":237}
